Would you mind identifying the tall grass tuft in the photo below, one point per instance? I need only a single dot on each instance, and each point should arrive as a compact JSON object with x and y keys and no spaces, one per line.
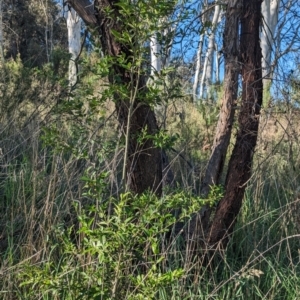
{"x":66,"y":232}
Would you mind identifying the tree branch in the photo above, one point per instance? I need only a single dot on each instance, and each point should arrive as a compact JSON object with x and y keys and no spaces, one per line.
{"x":85,"y":10}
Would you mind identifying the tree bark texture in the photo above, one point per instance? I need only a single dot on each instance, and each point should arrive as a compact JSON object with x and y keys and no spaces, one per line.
{"x":239,"y":169}
{"x":155,"y":53}
{"x":144,"y":160}
{"x":211,"y":52}
{"x":270,"y":13}
{"x":200,"y":222}
{"x":74,"y":32}
{"x":270,"y":10}
{"x":229,"y":99}
{"x":206,"y":80}
{"x":197,"y":70}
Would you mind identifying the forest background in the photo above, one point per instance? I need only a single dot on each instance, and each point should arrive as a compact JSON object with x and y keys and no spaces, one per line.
{"x":149,"y":149}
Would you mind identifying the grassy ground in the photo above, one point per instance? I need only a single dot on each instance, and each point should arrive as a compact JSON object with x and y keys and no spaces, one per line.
{"x":44,"y":257}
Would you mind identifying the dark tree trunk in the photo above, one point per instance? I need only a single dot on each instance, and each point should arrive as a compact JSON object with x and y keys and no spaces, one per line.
{"x":239,"y":169}
{"x":143,"y":160}
{"x":225,"y":122}
{"x":224,"y":127}
{"x":200,"y":222}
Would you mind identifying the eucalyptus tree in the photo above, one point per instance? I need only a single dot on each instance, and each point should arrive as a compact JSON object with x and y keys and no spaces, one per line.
{"x":239,"y":168}
{"x":155,"y":53}
{"x":161,"y":41}
{"x":271,"y":34}
{"x":242,"y":54}
{"x":156,"y":64}
{"x":279,"y":40}
{"x":122,"y":29}
{"x":206,"y":79}
{"x":199,"y":63}
{"x":74,"y":43}
{"x":224,"y":127}
{"x":264,"y":43}
{"x":198,"y":67}
{"x":270,"y":11}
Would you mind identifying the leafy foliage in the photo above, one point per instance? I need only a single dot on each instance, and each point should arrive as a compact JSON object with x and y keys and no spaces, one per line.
{"x":67,"y":230}
{"x":118,"y":253}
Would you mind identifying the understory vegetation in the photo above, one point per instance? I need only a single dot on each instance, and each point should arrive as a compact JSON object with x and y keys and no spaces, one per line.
{"x":149,"y":150}
{"x":69,"y":232}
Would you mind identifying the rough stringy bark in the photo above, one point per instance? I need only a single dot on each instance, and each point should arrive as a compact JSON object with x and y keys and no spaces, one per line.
{"x":239,"y":170}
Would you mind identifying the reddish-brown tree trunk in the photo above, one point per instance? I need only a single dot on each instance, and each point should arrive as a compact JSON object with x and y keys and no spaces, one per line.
{"x":144,"y":160}
{"x":200,"y":222}
{"x":239,"y":169}
{"x":224,"y":127}
{"x":225,"y":122}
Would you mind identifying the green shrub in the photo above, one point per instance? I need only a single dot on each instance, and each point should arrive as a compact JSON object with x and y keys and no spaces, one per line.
{"x":115,"y":254}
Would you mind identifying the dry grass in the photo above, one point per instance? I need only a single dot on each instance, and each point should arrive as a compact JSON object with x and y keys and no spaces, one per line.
{"x":39,"y":188}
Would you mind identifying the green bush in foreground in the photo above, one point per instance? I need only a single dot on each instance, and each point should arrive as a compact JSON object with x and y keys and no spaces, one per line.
{"x":117,"y":252}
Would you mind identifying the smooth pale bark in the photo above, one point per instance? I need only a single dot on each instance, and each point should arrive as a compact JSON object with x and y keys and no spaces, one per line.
{"x":198,"y":67}
{"x":207,"y":74}
{"x":156,"y":65}
{"x":202,"y":82}
{"x":143,"y":161}
{"x":160,"y":51}
{"x":279,"y":37}
{"x":160,"y":109}
{"x":155,"y":54}
{"x":270,"y":10}
{"x":217,"y":72}
{"x":199,"y":54}
{"x":74,"y":42}
{"x":239,"y":169}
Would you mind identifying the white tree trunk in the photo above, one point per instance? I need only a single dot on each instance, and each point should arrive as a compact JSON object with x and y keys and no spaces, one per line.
{"x":160,"y":58}
{"x":155,"y":52}
{"x":74,"y":32}
{"x":198,"y":67}
{"x":209,"y":58}
{"x":202,"y":83}
{"x":160,"y":51}
{"x":156,"y":66}
{"x":270,"y":10}
{"x":217,"y":76}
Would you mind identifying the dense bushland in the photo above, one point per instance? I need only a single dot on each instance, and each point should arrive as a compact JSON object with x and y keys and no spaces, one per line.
{"x":101,"y":178}
{"x":68,"y":233}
